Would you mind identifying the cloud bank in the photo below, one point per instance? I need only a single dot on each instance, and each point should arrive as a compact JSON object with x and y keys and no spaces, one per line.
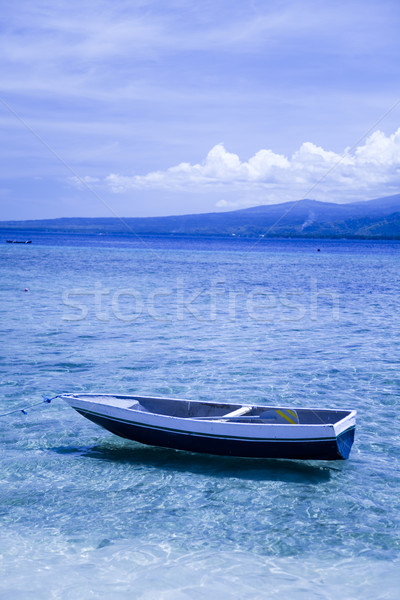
{"x":310,"y":171}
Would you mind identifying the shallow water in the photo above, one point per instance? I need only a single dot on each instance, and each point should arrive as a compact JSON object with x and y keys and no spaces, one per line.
{"x":88,"y":515}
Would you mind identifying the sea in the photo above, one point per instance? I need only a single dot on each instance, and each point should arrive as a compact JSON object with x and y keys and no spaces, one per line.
{"x":300,"y":323}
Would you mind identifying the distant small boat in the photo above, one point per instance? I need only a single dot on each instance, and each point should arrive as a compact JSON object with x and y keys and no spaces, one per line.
{"x":19,"y":241}
{"x":240,"y":430}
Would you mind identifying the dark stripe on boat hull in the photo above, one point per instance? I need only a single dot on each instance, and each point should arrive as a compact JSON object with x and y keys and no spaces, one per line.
{"x":330,"y":449}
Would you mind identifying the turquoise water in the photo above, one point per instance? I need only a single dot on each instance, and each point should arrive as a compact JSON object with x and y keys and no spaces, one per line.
{"x":85,"y":514}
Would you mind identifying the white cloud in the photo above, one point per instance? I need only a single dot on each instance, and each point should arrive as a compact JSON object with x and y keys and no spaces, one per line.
{"x":219,"y":168}
{"x":380,"y":150}
{"x":228,"y":204}
{"x":311,"y":170}
{"x":83,"y":182}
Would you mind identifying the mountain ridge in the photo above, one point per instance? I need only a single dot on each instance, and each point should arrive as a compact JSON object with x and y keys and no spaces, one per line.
{"x":376,"y":219}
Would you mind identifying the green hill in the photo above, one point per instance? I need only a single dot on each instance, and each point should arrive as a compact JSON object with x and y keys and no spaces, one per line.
{"x":375,"y":219}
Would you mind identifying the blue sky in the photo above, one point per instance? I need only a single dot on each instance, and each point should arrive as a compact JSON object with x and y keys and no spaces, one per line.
{"x":141,"y":108}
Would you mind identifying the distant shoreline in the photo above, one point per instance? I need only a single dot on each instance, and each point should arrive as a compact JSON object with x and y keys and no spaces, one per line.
{"x":377,"y":219}
{"x":204,"y":235}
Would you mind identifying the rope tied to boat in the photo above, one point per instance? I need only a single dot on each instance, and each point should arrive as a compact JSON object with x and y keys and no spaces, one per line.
{"x":24,"y":409}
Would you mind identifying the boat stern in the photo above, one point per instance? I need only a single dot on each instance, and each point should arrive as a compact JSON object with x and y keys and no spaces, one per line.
{"x":344,"y":442}
{"x":345,"y":431}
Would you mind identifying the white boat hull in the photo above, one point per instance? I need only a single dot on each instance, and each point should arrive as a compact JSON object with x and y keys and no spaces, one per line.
{"x":328,"y":436}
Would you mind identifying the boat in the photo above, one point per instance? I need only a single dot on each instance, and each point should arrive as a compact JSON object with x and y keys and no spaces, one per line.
{"x":241,"y":430}
{"x":19,"y":241}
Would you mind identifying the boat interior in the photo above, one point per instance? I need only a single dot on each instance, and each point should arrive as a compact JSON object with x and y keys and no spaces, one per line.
{"x":202,"y":410}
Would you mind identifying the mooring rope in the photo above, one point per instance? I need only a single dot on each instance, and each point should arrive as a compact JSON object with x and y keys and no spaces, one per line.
{"x":25,"y":408}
